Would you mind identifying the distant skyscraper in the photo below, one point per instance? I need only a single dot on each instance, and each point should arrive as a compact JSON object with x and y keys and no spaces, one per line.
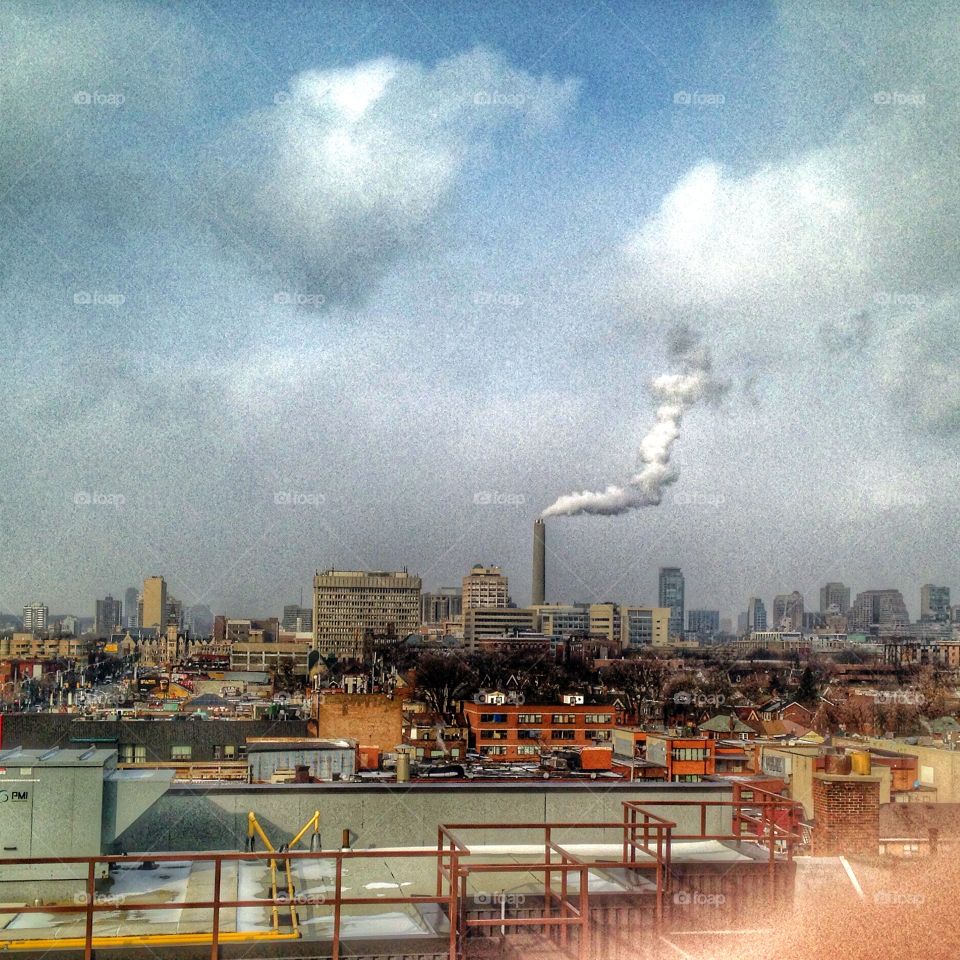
{"x":935,"y":603}
{"x":743,"y":622}
{"x":703,"y":622}
{"x":834,"y":598}
{"x":788,"y":611}
{"x":671,"y":595}
{"x":198,"y":619}
{"x":297,"y":619}
{"x":35,"y":617}
{"x":130,"y":618}
{"x":877,"y":608}
{"x":154,"y":603}
{"x":756,"y":615}
{"x":485,"y":587}
{"x":445,"y":604}
{"x":108,"y":616}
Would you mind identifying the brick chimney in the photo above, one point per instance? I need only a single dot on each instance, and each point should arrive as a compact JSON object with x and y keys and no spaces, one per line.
{"x":846,"y":813}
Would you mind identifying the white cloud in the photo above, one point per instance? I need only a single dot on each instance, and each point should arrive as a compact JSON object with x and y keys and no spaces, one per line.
{"x":344,"y":174}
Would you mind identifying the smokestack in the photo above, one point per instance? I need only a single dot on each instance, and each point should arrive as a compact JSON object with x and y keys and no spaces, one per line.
{"x":539,"y":561}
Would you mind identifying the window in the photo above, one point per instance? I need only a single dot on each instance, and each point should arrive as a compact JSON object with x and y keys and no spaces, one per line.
{"x":689,"y":753}
{"x":527,"y":750}
{"x":564,"y":718}
{"x":179,"y":752}
{"x":217,"y":752}
{"x":529,"y":718}
{"x":493,"y":734}
{"x":229,"y":752}
{"x":242,"y":751}
{"x":493,"y":751}
{"x":528,"y":734}
{"x":563,"y":734}
{"x":132,"y":753}
{"x":493,"y":718}
{"x":598,"y":718}
{"x":598,"y":735}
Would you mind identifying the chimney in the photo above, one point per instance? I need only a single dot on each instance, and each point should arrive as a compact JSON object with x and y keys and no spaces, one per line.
{"x":539,"y":561}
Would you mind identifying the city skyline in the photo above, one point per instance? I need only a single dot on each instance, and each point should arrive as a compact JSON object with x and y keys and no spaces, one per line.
{"x":286,"y":376}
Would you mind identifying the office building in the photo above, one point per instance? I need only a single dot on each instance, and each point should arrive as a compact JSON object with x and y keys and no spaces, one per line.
{"x":703,"y":623}
{"x":349,"y":603}
{"x":834,"y":598}
{"x":485,"y":587}
{"x":788,"y":611}
{"x":297,"y":619}
{"x":756,"y":615}
{"x":35,"y":617}
{"x":671,"y":595}
{"x":935,"y":603}
{"x":482,"y":622}
{"x":873,"y":609}
{"x":646,"y":626}
{"x":108,"y":616}
{"x":154,"y":604}
{"x":131,"y":597}
{"x":446,"y":604}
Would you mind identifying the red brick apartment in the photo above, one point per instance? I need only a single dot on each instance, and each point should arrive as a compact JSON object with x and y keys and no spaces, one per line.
{"x":521,"y":731}
{"x":685,"y":759}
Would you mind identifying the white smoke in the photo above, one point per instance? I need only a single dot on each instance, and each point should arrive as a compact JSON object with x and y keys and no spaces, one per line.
{"x":677,"y":393}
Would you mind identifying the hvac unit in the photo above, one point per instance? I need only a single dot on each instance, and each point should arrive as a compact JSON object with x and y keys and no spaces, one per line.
{"x":573,"y":699}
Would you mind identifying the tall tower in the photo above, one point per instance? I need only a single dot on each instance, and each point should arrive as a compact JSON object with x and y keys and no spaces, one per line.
{"x":539,"y":562}
{"x":154,"y":603}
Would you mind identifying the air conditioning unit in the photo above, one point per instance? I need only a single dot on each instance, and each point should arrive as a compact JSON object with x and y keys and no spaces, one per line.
{"x":480,"y":697}
{"x":516,"y":697}
{"x":573,"y":699}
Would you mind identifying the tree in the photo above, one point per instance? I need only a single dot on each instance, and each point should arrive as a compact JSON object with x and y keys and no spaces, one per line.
{"x":443,"y":679}
{"x":808,"y":692}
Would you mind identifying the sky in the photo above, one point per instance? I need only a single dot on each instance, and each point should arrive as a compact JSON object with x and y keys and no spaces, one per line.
{"x":370,"y":285}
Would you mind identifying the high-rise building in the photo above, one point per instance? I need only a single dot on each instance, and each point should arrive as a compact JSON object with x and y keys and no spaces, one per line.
{"x":877,"y":608}
{"x":935,"y":603}
{"x":671,"y":595}
{"x":703,"y":623}
{"x":297,"y":619}
{"x":198,"y":619}
{"x":743,"y":623}
{"x":35,"y":617}
{"x":756,"y":615}
{"x":108,"y":616}
{"x":485,"y":587}
{"x":834,"y":598}
{"x":154,"y":603}
{"x":788,"y":611}
{"x":348,"y":603}
{"x":130,"y":597}
{"x":445,"y":604}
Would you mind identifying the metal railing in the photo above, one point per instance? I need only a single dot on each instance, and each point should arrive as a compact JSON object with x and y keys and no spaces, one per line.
{"x":644,"y":844}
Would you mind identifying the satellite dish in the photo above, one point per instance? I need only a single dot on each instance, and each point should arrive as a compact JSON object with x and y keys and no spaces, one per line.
{"x":916,"y":784}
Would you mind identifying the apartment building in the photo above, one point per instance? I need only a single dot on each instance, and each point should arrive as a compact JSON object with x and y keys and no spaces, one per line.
{"x":520,"y":731}
{"x":684,"y":759}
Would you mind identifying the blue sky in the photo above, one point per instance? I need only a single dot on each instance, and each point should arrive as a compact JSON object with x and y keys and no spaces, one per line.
{"x":388,"y":257}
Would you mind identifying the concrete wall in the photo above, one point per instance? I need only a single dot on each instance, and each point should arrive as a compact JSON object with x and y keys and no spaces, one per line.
{"x":200,"y":817}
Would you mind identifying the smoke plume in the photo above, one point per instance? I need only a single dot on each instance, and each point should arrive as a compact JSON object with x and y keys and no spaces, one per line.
{"x":676,"y":394}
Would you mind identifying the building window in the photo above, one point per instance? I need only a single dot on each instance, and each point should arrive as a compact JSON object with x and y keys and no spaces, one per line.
{"x":598,"y":718}
{"x":178,"y":752}
{"x":493,"y":751}
{"x":529,"y":718}
{"x":528,"y":734}
{"x":229,"y":752}
{"x":564,"y":718}
{"x":689,"y":753}
{"x":242,"y":751}
{"x":598,"y":735}
{"x":527,"y":750}
{"x":493,"y":718}
{"x":563,"y":734}
{"x":133,"y":753}
{"x":493,"y":734}
{"x":217,"y":752}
